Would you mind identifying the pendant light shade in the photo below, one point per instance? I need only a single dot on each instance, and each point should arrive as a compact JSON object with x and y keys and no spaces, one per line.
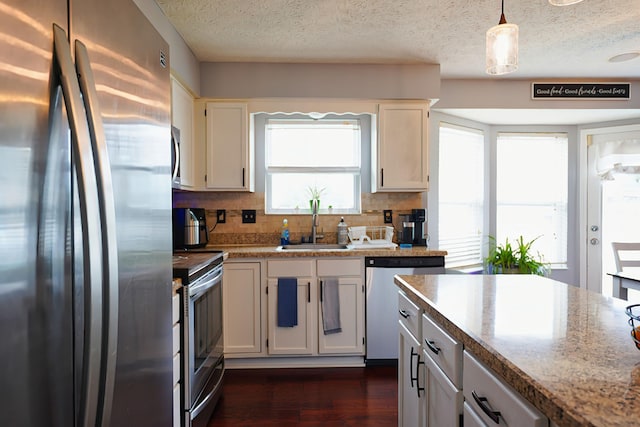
{"x":563,"y":2}
{"x":502,"y":47}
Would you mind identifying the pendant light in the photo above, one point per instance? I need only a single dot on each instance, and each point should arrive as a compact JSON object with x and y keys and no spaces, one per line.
{"x":563,"y":2}
{"x":502,"y":47}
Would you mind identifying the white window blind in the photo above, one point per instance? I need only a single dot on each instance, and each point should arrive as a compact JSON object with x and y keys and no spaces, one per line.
{"x":532,"y":192}
{"x":303,"y":154}
{"x":461,"y":195}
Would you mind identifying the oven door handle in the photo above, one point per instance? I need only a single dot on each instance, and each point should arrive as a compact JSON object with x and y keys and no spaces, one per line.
{"x":205,"y":283}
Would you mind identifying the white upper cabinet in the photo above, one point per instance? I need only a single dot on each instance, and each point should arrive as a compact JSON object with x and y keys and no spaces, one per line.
{"x":400,"y":162}
{"x":229,"y":162}
{"x":182,"y":118}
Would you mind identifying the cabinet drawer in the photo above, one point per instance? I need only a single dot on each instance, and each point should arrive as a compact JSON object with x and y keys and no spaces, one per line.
{"x":176,"y":368}
{"x":471,"y":419}
{"x":514,"y":409}
{"x":445,"y":351}
{"x":409,"y":314}
{"x":286,"y":268}
{"x":176,"y":339}
{"x":339,"y":267}
{"x":175,"y":308}
{"x":177,"y":412}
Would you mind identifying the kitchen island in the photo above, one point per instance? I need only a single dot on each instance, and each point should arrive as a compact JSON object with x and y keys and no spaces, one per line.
{"x":565,"y":350}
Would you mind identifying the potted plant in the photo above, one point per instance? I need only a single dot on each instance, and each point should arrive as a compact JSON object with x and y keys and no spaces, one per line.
{"x":315,"y":193}
{"x":518,"y":259}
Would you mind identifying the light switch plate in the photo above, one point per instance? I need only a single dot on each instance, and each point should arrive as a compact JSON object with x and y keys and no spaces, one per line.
{"x":221,"y":216}
{"x":388,"y":216}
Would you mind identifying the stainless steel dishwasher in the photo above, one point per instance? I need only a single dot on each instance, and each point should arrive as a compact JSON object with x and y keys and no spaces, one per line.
{"x":382,"y":301}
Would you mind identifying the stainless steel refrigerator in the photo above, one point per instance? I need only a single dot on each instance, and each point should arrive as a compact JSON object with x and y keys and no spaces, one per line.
{"x":85,"y":216}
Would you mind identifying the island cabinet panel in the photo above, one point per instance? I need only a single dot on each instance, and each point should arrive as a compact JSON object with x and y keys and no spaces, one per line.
{"x":445,"y":350}
{"x":493,"y":401}
{"x":408,"y":373}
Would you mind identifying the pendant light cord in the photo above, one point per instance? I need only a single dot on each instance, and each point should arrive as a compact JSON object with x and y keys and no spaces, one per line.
{"x":503,"y":20}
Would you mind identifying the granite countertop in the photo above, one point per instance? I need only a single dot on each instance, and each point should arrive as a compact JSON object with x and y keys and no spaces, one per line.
{"x":566,"y":350}
{"x":240,"y":251}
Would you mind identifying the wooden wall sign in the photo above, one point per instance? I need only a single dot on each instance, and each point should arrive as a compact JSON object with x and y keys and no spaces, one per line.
{"x":580,"y":90}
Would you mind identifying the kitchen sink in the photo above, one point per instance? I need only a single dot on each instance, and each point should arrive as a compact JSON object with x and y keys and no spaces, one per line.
{"x":313,"y":247}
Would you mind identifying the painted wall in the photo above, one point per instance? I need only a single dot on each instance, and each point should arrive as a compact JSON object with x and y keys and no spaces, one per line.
{"x":184,"y":65}
{"x":357,"y":81}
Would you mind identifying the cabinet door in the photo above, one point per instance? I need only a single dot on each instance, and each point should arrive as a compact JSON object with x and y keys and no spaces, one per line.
{"x":350,"y":340}
{"x":408,"y":374}
{"x":402,"y":154}
{"x":442,"y":405}
{"x":182,"y":118}
{"x":228,"y":155}
{"x":297,"y":339}
{"x":241,"y":308}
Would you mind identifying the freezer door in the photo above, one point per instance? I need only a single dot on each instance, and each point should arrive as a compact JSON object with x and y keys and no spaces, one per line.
{"x":36,"y":321}
{"x":129,"y":62}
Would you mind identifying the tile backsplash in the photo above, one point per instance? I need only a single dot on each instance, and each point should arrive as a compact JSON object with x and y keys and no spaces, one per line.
{"x":266,"y":230}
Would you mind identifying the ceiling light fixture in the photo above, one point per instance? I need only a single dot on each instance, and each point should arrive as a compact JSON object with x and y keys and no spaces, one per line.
{"x":502,"y":47}
{"x":563,"y":2}
{"x":627,"y":56}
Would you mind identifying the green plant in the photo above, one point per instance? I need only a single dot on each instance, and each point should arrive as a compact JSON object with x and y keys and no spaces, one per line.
{"x":514,"y":259}
{"x":315,"y":192}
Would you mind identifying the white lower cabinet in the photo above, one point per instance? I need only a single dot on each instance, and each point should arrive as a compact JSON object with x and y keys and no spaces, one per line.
{"x":493,"y":401}
{"x":408,"y":391}
{"x":410,"y":377}
{"x":241,"y":307}
{"x":471,"y":419}
{"x":297,"y":339}
{"x":442,"y":404}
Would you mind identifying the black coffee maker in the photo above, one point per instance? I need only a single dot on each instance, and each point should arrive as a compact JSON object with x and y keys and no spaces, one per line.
{"x":419,"y":218}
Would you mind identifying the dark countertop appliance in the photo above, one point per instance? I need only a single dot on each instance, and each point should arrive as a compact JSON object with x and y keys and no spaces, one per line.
{"x":190,"y":228}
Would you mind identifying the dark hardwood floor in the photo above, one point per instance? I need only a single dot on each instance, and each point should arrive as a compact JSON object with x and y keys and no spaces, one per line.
{"x":309,"y":397}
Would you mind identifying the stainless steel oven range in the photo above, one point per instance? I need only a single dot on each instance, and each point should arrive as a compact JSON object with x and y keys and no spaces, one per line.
{"x":201,"y":334}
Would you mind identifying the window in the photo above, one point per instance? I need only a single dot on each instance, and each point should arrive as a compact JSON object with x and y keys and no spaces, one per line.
{"x":461,"y":195}
{"x":301,"y":154}
{"x":532,"y":192}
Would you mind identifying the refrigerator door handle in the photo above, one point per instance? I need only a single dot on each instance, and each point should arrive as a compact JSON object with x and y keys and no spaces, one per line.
{"x":108,"y":222}
{"x":89,"y":215}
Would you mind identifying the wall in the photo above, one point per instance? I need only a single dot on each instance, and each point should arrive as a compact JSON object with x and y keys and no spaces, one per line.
{"x":184,"y":65}
{"x":358,"y":81}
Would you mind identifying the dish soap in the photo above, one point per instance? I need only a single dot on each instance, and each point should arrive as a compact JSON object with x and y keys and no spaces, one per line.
{"x":343,"y":234}
{"x":284,"y":234}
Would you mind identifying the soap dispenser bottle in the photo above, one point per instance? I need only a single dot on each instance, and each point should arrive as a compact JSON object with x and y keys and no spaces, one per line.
{"x":284,"y":234}
{"x":343,"y":233}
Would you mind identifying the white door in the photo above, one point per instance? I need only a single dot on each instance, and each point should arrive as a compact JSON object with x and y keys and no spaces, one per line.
{"x":613,"y":201}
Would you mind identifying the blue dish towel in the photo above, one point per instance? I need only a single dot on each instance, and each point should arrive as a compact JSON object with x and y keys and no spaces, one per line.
{"x":330,"y":306}
{"x":287,"y":302}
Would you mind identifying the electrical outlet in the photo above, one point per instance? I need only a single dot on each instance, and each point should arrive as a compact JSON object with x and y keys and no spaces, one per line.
{"x":248,"y":216}
{"x":222,"y":216}
{"x":388,"y":216}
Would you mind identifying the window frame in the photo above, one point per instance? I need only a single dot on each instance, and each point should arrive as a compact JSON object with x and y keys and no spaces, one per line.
{"x":356,"y":171}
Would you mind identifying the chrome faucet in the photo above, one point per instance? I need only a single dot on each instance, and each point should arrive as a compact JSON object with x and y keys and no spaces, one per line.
{"x":314,"y":222}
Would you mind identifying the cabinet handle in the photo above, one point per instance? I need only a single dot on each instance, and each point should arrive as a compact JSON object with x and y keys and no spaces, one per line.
{"x":418,"y":388}
{"x":309,"y":292}
{"x":411,"y":377}
{"x":243,"y":177}
{"x":382,"y":177}
{"x":321,"y":291}
{"x":432,"y":347}
{"x":404,"y":314}
{"x":482,"y":403}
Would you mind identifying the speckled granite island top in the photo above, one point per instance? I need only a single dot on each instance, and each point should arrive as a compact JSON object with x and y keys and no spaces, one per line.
{"x":566,"y":350}
{"x":274,"y":252}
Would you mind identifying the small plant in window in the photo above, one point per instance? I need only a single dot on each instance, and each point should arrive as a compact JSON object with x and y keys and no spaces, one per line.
{"x":315,"y":193}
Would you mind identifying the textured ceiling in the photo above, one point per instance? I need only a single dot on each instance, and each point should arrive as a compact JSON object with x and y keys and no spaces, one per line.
{"x":571,"y":41}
